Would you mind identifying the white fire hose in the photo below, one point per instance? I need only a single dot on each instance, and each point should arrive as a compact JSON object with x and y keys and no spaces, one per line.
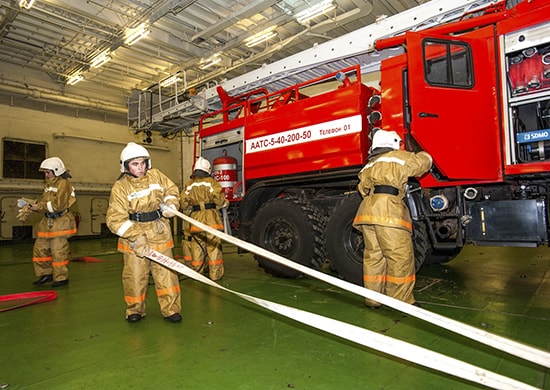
{"x":370,"y":339}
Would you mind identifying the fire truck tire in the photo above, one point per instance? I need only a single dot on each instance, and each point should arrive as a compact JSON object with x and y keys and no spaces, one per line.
{"x":421,"y":244}
{"x":344,"y":243}
{"x":293,"y":229}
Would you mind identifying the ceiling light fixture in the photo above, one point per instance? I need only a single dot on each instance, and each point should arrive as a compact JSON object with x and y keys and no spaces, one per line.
{"x":171,"y":80}
{"x":27,"y":4}
{"x":135,"y":34}
{"x":101,"y":59}
{"x":210,"y":61}
{"x":260,"y":37}
{"x":75,"y":78}
{"x":315,"y":10}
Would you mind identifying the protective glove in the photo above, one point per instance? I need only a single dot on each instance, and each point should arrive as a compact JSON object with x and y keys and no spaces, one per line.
{"x":140,"y":246}
{"x":168,"y":210}
{"x":24,"y":212}
{"x":22,"y":202}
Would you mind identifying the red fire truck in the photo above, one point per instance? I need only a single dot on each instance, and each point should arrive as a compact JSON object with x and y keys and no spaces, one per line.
{"x":474,"y":93}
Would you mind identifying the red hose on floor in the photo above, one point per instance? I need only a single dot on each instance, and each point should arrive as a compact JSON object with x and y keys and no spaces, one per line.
{"x":29,"y":298}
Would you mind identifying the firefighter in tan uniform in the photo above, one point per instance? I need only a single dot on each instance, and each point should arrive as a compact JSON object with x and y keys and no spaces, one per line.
{"x":51,"y":249}
{"x":201,"y":198}
{"x":384,"y":219}
{"x":186,"y":246}
{"x":140,"y":203}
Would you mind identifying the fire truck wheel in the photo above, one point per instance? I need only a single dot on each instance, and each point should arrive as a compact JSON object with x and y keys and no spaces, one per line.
{"x":421,"y":244}
{"x":293,"y":229}
{"x":344,"y":243}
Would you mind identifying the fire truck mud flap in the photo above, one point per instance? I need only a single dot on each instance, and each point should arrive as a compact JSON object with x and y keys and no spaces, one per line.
{"x":344,"y":243}
{"x":292,"y":228}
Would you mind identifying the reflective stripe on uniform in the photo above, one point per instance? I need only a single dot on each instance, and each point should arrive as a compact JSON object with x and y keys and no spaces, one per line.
{"x":123,"y":247}
{"x":198,"y":184}
{"x":130,"y":299}
{"x":145,"y":192}
{"x":385,"y":159}
{"x":383,"y":220}
{"x":56,"y":234}
{"x":167,"y":197}
{"x":41,"y":259}
{"x":124,"y":228}
{"x":401,"y":280}
{"x":169,"y":290}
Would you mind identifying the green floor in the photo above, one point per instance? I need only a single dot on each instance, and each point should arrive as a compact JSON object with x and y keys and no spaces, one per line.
{"x":81,"y":340}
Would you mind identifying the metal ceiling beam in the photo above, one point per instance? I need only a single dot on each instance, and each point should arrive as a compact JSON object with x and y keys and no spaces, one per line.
{"x":245,"y":12}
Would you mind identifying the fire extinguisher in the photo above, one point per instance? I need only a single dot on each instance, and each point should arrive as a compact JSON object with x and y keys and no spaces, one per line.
{"x":224,"y":170}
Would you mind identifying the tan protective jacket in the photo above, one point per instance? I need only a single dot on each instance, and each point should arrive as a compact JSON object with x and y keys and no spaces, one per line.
{"x":141,"y":194}
{"x":391,"y":169}
{"x":57,"y":197}
{"x":198,"y":192}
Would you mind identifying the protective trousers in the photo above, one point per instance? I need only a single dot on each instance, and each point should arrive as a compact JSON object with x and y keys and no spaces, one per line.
{"x":50,"y":256}
{"x":388,"y":262}
{"x":186,"y":247}
{"x":209,"y":246}
{"x":187,"y":251}
{"x":135,"y":280}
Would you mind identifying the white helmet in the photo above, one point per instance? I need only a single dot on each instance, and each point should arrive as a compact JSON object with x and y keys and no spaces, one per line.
{"x":130,"y":152}
{"x":203,"y":165}
{"x":386,"y":139}
{"x":53,"y":164}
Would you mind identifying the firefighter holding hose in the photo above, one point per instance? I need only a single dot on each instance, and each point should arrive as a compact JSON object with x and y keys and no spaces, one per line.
{"x":384,"y":219}
{"x":51,"y":249}
{"x":139,"y":208}
{"x":202,"y":198}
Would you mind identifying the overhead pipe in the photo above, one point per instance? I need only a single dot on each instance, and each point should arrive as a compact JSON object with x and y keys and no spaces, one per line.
{"x":39,"y":94}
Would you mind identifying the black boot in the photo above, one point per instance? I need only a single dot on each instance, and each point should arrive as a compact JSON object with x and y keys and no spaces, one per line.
{"x":176,"y":317}
{"x":134,"y":317}
{"x":60,"y":283}
{"x":43,"y":279}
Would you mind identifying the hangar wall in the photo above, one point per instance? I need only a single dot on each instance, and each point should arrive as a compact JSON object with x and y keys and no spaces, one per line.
{"x":89,"y":142}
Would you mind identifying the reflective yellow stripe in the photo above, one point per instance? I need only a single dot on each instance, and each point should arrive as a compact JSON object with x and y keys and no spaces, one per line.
{"x":374,"y":220}
{"x":40,"y":259}
{"x":215,"y":262}
{"x":374,"y":278}
{"x":129,"y":299}
{"x":169,"y":290}
{"x":401,"y":280}
{"x":123,"y":247}
{"x":56,"y":234}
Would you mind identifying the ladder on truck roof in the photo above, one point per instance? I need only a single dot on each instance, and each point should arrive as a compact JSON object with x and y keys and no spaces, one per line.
{"x":150,"y":110}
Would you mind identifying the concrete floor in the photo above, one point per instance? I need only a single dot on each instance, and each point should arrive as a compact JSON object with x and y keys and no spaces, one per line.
{"x":81,"y":340}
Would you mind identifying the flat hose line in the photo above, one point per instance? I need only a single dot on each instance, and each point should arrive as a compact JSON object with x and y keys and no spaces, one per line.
{"x":28,"y":298}
{"x":370,"y":339}
{"x":367,"y":338}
